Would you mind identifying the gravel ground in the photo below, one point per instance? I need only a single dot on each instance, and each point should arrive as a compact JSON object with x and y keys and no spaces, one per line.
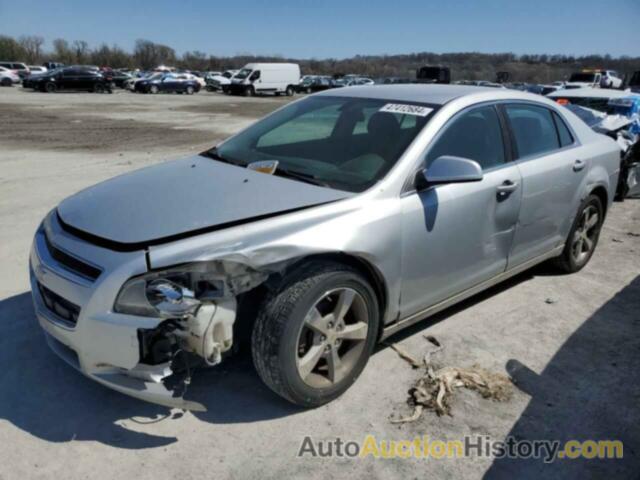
{"x":571,"y":343}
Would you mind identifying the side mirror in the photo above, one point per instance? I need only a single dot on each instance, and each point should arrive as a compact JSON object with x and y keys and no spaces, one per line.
{"x":449,"y":169}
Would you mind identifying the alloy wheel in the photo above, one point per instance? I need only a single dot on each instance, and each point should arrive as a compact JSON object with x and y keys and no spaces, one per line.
{"x":585,"y":236}
{"x":332,"y":337}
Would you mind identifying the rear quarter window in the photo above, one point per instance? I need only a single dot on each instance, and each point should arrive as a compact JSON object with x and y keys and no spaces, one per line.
{"x":564,"y":134}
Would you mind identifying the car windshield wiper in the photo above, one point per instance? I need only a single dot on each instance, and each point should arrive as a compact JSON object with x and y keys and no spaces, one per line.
{"x":213,"y":153}
{"x":303,"y":177}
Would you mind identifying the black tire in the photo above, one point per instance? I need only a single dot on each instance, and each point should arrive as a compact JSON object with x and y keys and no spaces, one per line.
{"x":153,"y":89}
{"x":249,"y":91}
{"x":98,"y":88}
{"x":190,"y":90}
{"x":567,"y":261}
{"x":290,"y":91}
{"x":50,"y":87}
{"x":6,"y":82}
{"x":308,"y":90}
{"x":279,"y":325}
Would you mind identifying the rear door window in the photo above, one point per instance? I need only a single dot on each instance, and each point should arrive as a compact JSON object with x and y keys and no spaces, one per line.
{"x":533,"y":128}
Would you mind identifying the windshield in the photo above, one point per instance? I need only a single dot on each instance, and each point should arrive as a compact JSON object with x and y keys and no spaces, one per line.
{"x":244,"y":73}
{"x":339,"y":142}
{"x":583,"y":77}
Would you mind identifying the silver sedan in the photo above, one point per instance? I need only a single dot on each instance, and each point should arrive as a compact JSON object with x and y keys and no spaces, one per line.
{"x":313,"y":234}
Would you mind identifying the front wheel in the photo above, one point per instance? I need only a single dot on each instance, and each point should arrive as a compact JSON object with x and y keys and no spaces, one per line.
{"x":50,"y":87}
{"x":154,"y":89}
{"x":249,"y":92}
{"x":190,"y":90}
{"x":314,"y":335}
{"x":98,"y":88}
{"x":290,"y":91}
{"x":583,"y":237}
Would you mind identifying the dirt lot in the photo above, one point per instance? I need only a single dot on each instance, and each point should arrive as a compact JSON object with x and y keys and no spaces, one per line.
{"x":571,"y":343}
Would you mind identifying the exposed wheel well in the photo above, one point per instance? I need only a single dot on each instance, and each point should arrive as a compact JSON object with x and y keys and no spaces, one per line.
{"x":368,"y":271}
{"x":601,"y":193}
{"x":249,"y":303}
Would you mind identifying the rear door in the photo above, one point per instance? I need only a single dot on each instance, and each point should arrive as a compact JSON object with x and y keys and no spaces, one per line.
{"x":69,"y":79}
{"x":86,"y":79}
{"x":168,"y":83}
{"x":552,"y":170}
{"x":456,"y":236}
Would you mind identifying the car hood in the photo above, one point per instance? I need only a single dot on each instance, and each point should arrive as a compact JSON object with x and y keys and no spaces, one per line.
{"x":181,"y":198}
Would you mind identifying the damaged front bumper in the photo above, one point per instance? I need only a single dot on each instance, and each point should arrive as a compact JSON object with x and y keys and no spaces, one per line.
{"x":135,"y":355}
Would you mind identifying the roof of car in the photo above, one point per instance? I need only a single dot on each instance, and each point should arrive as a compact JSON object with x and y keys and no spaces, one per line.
{"x":432,"y":94}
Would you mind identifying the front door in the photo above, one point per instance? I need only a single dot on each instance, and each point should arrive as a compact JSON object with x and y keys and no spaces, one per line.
{"x":458,"y":235}
{"x":70,"y":79}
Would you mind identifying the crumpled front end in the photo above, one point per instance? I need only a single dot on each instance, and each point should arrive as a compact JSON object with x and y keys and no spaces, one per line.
{"x":88,"y":302}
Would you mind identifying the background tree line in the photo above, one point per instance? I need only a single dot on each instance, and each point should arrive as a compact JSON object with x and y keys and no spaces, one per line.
{"x":147,"y":55}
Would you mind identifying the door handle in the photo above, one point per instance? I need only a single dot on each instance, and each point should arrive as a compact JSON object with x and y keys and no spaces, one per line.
{"x":507,"y":188}
{"x":579,"y":165}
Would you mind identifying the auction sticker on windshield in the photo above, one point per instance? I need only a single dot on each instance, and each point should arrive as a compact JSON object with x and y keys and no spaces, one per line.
{"x":403,"y":108}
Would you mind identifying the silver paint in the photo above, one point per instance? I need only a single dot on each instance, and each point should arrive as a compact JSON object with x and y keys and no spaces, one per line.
{"x":429,"y":249}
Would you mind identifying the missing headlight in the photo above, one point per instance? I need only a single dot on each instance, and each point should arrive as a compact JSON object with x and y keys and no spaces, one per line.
{"x":178,"y":291}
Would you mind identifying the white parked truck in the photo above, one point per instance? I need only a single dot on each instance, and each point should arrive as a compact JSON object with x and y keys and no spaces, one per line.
{"x":273,"y":78}
{"x":594,"y":78}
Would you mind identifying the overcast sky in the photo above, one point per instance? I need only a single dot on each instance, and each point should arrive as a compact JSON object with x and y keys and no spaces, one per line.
{"x":341,"y":28}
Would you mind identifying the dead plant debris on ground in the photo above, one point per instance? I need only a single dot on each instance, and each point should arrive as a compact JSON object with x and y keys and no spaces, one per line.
{"x":434,"y":390}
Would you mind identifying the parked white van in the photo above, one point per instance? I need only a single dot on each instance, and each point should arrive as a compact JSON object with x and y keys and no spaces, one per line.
{"x":274,"y":78}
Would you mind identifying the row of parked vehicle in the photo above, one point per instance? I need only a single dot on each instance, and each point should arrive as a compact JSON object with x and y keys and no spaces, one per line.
{"x":261,"y":78}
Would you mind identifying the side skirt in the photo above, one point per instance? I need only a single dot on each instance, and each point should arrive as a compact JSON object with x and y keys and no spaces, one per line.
{"x":438,"y":307}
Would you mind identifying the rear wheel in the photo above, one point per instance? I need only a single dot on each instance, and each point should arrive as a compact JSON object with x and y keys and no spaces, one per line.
{"x":98,"y":88}
{"x":50,"y":87}
{"x":190,"y":90}
{"x":313,"y":337}
{"x":583,"y":237}
{"x":290,"y":91}
{"x":154,"y":89}
{"x":6,"y":82}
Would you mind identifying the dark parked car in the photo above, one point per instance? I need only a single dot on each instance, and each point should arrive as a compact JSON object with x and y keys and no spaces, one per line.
{"x":32,"y":80}
{"x":315,"y":84}
{"x":118,"y":78}
{"x":170,"y":82}
{"x":73,"y":78}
